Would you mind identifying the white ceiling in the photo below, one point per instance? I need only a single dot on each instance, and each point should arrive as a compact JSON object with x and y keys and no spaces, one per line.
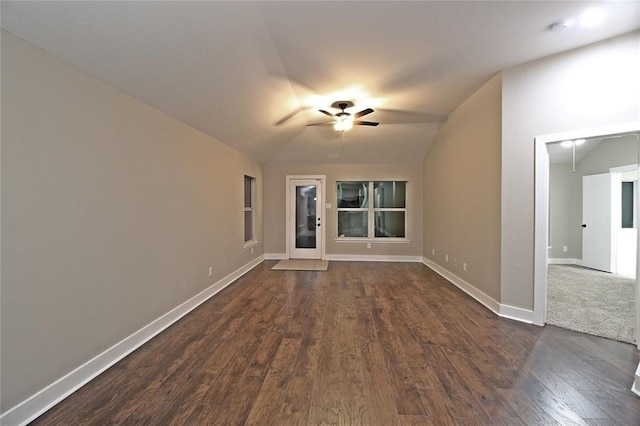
{"x":252,"y":74}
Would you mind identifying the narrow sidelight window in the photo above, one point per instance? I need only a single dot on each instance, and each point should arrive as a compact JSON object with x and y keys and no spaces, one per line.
{"x":249,"y":208}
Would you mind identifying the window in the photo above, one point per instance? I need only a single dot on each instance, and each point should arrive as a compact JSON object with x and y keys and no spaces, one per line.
{"x":372,"y":209}
{"x":249,"y":209}
{"x":628,"y":203}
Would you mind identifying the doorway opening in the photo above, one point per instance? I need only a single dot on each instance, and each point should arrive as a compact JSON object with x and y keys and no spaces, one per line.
{"x":544,"y":247}
{"x":592,"y":258}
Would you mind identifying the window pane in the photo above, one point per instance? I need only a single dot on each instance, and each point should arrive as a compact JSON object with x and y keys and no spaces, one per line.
{"x":353,"y":194}
{"x":389,"y":224}
{"x":247,"y":191}
{"x":389,"y":195}
{"x":627,"y":204}
{"x":248,"y":226}
{"x":352,"y":224}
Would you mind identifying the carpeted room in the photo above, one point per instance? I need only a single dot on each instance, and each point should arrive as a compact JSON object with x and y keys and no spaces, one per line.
{"x":593,"y":236}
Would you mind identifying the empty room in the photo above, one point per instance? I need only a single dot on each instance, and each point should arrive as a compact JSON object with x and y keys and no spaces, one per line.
{"x":318,"y":212}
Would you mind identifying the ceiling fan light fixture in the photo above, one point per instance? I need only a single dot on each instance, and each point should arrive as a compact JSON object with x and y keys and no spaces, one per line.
{"x":343,"y":123}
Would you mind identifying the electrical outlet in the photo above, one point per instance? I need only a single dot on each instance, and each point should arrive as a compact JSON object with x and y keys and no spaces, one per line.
{"x":565,"y":249}
{"x":368,"y":245}
{"x":446,"y":258}
{"x":210,"y":270}
{"x":464,"y":266}
{"x":433,"y":252}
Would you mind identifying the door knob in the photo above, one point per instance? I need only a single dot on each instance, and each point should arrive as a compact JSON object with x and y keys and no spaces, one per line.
{"x":584,"y":225}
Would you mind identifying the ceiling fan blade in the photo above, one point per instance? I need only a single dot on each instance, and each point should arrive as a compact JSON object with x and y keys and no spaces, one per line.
{"x":362,"y":113}
{"x":322,"y":124}
{"x":326,"y":113}
{"x":365,"y":123}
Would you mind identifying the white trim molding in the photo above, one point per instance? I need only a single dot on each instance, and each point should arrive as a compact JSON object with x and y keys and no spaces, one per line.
{"x":372,"y":258}
{"x":486,"y":300}
{"x":564,"y":261}
{"x":37,"y":404}
{"x":636,"y":383}
{"x":515,"y":313}
{"x":504,"y":311}
{"x":372,"y":240}
{"x":275,"y":256}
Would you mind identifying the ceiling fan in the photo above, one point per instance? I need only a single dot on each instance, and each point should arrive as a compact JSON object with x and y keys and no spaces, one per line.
{"x":343,"y":120}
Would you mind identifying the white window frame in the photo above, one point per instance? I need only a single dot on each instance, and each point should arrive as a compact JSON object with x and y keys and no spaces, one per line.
{"x":371,"y":214}
{"x":252,"y":208}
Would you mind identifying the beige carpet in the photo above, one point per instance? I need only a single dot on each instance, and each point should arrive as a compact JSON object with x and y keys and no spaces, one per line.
{"x":301,"y":265}
{"x":591,"y":301}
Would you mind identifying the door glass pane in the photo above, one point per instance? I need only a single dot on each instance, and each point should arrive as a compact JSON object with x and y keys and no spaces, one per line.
{"x":306,"y":217}
{"x":352,"y":224}
{"x":389,"y":224}
{"x":352,"y":195}
{"x":389,"y":195}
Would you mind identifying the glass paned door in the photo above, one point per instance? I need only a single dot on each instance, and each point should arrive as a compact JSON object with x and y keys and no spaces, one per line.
{"x":305,"y":220}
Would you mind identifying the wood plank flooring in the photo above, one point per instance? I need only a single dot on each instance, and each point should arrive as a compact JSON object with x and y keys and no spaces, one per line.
{"x":363,"y":343}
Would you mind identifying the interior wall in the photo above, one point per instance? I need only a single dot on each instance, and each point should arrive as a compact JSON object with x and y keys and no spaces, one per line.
{"x":565,"y":203}
{"x":565,"y":192}
{"x":112,"y":213}
{"x":462,"y":191}
{"x":593,"y":86}
{"x":609,"y":153}
{"x":275,"y":205}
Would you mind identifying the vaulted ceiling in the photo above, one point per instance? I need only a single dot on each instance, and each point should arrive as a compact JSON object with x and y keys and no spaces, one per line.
{"x":253,"y":74}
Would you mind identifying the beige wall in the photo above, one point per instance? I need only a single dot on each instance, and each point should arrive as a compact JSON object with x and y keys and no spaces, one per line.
{"x":112,"y":213}
{"x":275,"y":205}
{"x":462,"y":191}
{"x":593,"y":86}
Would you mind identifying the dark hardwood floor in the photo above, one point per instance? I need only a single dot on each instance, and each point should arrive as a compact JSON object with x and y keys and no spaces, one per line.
{"x":364,"y":343}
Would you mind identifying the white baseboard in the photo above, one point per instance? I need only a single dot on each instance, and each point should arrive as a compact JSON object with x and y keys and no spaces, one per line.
{"x":480,"y":296}
{"x":372,"y":258}
{"x":504,"y":311}
{"x":275,"y":256}
{"x":564,"y":261}
{"x":636,"y":383}
{"x":514,"y":313}
{"x":37,"y":404}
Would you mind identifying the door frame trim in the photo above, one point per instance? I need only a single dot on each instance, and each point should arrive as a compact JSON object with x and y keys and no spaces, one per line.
{"x":541,"y":212}
{"x":322,"y":233}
